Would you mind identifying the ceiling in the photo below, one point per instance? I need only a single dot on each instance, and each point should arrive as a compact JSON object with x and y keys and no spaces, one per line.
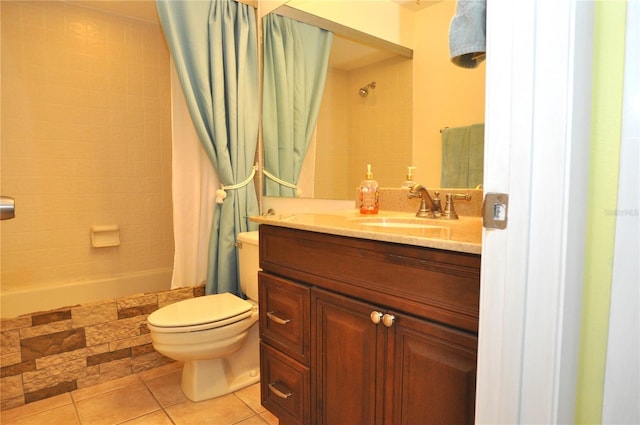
{"x":346,"y":54}
{"x":146,"y":9}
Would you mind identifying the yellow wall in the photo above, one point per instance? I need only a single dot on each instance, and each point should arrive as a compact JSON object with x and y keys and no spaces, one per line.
{"x":444,"y":95}
{"x":86,"y":139}
{"x":606,"y":122}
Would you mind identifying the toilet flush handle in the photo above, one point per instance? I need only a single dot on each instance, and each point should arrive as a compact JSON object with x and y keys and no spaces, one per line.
{"x":7,"y":208}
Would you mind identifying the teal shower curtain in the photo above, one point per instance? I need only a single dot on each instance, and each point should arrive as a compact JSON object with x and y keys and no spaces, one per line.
{"x":295,"y":68}
{"x":213,"y":44}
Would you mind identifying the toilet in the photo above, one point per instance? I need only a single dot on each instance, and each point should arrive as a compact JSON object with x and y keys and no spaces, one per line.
{"x":216,"y":336}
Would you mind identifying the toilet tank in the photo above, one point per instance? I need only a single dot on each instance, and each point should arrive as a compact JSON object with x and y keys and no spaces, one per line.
{"x":249,"y":263}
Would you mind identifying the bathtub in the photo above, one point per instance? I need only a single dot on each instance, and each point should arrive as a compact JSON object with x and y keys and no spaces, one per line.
{"x":16,"y":303}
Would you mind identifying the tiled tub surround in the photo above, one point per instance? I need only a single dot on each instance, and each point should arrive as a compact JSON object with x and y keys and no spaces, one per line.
{"x":86,"y":130}
{"x":49,"y":353}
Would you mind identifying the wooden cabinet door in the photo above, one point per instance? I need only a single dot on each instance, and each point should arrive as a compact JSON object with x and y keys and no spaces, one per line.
{"x":433,"y":371}
{"x":347,"y":356}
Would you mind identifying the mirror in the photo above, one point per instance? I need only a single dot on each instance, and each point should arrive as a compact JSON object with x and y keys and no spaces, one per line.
{"x":365,"y":118}
{"x":387,"y":105}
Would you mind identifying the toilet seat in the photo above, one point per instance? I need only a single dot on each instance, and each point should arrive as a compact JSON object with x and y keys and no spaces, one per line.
{"x":200,"y":313}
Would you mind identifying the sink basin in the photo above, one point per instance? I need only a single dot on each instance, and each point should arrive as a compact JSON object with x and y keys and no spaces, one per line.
{"x":395,"y":222}
{"x":416,"y":226}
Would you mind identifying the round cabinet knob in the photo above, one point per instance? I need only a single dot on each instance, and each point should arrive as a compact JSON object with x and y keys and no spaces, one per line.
{"x":376,"y":317}
{"x":388,"y":320}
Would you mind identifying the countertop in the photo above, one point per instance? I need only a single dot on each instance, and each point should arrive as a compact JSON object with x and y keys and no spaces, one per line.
{"x":462,"y":235}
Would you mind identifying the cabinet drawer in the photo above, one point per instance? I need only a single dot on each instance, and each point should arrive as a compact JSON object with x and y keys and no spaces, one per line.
{"x":284,"y":386}
{"x":284,"y":316}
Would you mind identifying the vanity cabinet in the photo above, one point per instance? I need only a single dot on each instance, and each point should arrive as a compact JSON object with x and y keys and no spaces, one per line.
{"x":356,"y":331}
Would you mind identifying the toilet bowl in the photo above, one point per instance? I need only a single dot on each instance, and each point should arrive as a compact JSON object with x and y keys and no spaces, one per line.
{"x":216,"y":336}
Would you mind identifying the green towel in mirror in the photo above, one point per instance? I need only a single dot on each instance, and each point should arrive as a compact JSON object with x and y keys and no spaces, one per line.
{"x":462,"y":156}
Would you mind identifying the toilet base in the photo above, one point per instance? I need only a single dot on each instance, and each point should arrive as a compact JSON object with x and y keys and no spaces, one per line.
{"x":205,"y":379}
{"x":213,"y":385}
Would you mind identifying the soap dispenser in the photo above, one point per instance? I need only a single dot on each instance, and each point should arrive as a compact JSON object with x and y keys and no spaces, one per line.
{"x":408,"y":183}
{"x":369,"y":194}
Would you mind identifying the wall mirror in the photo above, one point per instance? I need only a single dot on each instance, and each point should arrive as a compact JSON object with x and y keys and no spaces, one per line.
{"x":385,"y":104}
{"x":365,"y":116}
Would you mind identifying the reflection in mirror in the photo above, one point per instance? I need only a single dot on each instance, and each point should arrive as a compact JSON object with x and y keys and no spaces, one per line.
{"x":295,"y":67}
{"x":365,"y":116}
{"x":416,"y":95}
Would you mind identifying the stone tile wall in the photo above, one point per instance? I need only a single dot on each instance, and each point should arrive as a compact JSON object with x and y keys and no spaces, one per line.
{"x":48,"y":353}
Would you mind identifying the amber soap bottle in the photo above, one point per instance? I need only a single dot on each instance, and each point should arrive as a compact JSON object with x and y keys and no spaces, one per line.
{"x":368,"y":194}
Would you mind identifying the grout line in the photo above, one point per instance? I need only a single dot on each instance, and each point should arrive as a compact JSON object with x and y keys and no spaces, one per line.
{"x":75,"y":408}
{"x":135,"y":382}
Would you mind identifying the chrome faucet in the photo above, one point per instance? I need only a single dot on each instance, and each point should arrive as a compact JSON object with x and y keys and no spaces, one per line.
{"x":419,"y":191}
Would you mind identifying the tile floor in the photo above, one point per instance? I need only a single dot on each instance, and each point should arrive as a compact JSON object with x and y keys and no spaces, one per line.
{"x":152,"y":397}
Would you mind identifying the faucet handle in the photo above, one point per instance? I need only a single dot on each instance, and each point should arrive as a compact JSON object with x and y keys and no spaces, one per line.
{"x":449,"y":209}
{"x":461,"y":196}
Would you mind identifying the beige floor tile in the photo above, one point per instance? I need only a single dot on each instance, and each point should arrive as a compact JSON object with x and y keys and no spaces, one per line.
{"x":63,"y":415}
{"x":166,"y":389}
{"x":269,"y":418}
{"x":156,"y":418}
{"x":117,"y":406}
{"x":254,"y":420}
{"x":138,"y":400}
{"x":105,"y":387}
{"x":225,"y":410}
{"x":36,"y":407}
{"x":167,"y":369}
{"x":251,"y":396}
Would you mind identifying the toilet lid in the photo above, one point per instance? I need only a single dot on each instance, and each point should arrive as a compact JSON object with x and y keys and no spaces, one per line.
{"x":225,"y":308}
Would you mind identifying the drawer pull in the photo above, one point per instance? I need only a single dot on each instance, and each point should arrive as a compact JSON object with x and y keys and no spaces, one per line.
{"x":279,"y":393}
{"x":279,"y":320}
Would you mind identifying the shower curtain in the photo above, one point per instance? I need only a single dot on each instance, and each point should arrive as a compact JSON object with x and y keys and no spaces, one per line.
{"x":214,"y":47}
{"x":194,"y":183}
{"x":295,"y":68}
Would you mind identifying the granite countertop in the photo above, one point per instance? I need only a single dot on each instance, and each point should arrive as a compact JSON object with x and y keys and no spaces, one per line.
{"x":462,"y":235}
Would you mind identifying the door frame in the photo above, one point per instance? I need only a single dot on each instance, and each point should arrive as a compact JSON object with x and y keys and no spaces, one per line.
{"x":538,"y":103}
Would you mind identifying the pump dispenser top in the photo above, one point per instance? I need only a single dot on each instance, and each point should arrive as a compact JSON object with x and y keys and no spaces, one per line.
{"x":408,"y":183}
{"x":368,"y":195}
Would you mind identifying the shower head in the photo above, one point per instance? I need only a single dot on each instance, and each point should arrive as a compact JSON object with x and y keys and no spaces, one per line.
{"x":364,"y":91}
